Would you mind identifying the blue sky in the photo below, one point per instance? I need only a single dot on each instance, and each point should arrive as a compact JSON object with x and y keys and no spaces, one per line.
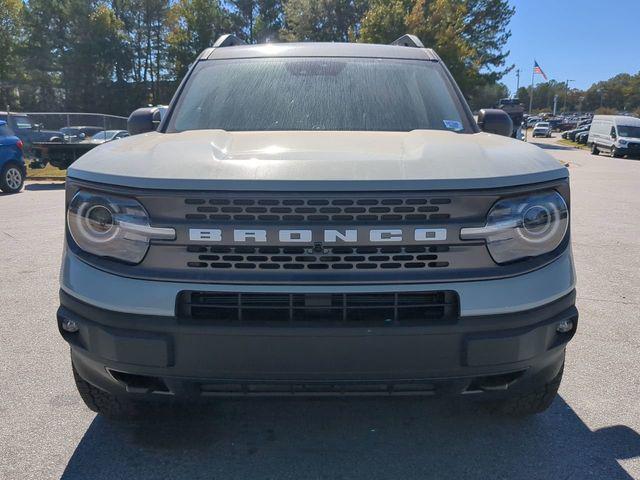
{"x":582,"y":40}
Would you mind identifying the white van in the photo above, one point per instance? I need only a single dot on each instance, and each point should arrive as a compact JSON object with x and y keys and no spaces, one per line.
{"x":615,"y":134}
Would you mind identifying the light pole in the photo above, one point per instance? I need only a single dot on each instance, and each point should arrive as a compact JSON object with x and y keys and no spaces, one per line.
{"x":517,"y":81}
{"x":566,"y":94}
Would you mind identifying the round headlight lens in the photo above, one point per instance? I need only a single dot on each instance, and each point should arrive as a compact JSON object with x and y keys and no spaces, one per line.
{"x":97,"y":221}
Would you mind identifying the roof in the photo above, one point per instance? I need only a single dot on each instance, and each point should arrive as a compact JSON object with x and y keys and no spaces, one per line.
{"x":309,"y":49}
{"x":625,"y":119}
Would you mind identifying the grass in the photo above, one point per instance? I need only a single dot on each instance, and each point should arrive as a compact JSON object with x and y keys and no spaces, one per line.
{"x":569,"y":143}
{"x":48,"y":172}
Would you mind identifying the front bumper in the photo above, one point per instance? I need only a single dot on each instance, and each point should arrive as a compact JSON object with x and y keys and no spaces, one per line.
{"x":158,"y":356}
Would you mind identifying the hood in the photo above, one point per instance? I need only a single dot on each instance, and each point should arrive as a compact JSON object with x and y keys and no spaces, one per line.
{"x":216,"y":159}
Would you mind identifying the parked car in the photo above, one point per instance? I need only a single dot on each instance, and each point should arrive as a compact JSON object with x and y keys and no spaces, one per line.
{"x":531,"y":121}
{"x":555,"y":123}
{"x":615,"y":134}
{"x":582,"y":137}
{"x":107,"y":136}
{"x":78,"y":134}
{"x":28,"y":131}
{"x":541,"y":129}
{"x":571,"y":134}
{"x":566,"y":126}
{"x":13,"y":170}
{"x":282,"y":244}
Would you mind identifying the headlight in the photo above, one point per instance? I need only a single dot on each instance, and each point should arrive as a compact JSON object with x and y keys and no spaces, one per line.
{"x":111,"y":226}
{"x":522,"y":227}
{"x":622,"y":142}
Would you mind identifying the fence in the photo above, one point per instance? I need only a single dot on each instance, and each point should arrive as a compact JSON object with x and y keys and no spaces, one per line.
{"x":58,"y":120}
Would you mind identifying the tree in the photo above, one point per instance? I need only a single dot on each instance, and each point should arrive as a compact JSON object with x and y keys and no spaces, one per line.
{"x":10,"y":39}
{"x":92,"y":41}
{"x":469,"y":35}
{"x":194,"y":25}
{"x":323,"y":20}
{"x":385,"y":21}
{"x":269,"y":20}
{"x":487,"y":96}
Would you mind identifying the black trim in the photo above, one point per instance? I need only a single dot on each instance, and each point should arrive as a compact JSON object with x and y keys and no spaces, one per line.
{"x":343,"y":277}
{"x":143,"y":354}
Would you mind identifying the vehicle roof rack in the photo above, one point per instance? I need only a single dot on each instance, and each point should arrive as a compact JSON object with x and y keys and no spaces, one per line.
{"x":408,"y":40}
{"x":228,"y":40}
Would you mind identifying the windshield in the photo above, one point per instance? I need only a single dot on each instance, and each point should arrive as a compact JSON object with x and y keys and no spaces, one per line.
{"x":104,"y":135}
{"x":542,"y":124}
{"x":353,"y":94}
{"x":22,"y":122}
{"x":628,"y":131}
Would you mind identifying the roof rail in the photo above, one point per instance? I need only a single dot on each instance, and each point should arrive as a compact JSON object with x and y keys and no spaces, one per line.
{"x":408,"y":40}
{"x":228,"y":40}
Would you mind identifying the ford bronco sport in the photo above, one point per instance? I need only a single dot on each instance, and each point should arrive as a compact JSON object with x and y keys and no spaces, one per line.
{"x":317,"y":219}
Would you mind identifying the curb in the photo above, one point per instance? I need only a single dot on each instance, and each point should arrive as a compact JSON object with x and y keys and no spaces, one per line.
{"x":48,"y":179}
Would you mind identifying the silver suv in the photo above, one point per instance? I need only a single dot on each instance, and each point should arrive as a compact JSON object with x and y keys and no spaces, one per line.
{"x":317,"y":219}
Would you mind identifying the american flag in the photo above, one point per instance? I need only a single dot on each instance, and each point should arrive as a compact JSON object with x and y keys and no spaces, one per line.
{"x":538,"y":70}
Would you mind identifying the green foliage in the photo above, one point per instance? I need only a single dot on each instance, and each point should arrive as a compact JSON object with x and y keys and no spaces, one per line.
{"x":385,"y":21}
{"x":487,"y":96}
{"x":322,"y":20}
{"x":115,"y":55}
{"x":11,"y":21}
{"x":469,"y":35}
{"x":194,"y":26}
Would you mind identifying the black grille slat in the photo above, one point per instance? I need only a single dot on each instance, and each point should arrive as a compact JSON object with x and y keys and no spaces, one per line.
{"x":309,"y":209}
{"x":343,"y":309}
{"x":335,"y":258}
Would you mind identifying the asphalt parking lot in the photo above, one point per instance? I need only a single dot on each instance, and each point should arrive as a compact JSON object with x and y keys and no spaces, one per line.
{"x":591,"y":431}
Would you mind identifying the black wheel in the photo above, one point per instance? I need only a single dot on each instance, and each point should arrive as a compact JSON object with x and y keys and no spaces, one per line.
{"x":529,"y":403}
{"x":594,"y":149}
{"x":104,"y":403}
{"x":11,"y":178}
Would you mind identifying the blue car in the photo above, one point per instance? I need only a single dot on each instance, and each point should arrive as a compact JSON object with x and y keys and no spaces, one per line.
{"x":12,"y":167}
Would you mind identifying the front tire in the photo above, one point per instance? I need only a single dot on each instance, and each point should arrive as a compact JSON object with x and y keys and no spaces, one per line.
{"x":531,"y":402}
{"x":104,"y":403}
{"x":614,"y":153}
{"x":11,"y":178}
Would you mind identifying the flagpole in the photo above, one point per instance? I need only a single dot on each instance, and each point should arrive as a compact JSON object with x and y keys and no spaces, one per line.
{"x":533,"y":73}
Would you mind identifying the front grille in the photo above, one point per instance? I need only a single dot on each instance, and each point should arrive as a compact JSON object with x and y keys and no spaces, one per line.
{"x":332,"y":258}
{"x":348,"y":309}
{"x":305,"y":209}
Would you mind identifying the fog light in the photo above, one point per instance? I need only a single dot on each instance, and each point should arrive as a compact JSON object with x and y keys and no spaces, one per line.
{"x":565,"y":326}
{"x":70,"y":326}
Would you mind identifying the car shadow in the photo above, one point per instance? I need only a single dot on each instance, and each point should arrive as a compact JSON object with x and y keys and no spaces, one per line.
{"x":360,"y":438}
{"x":45,"y":186}
{"x":552,"y":146}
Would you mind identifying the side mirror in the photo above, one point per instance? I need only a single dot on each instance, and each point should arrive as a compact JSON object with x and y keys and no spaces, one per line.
{"x":143,"y":120}
{"x":613,"y":135}
{"x":493,"y":120}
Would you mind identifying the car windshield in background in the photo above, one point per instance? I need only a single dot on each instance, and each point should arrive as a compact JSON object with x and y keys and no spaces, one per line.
{"x":104,"y":135}
{"x":22,"y":122}
{"x":352,"y":94}
{"x":628,"y":131}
